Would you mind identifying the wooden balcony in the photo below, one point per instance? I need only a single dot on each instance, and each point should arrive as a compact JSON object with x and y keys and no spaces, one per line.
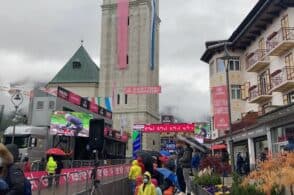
{"x":281,"y":41}
{"x":258,"y":96}
{"x":257,"y":60}
{"x":282,"y":80}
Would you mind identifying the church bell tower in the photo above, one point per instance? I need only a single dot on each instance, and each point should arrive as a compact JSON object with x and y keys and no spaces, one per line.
{"x":130,"y":58}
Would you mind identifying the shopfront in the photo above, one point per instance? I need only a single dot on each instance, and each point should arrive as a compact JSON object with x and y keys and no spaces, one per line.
{"x":260,"y":143}
{"x":281,"y":136}
{"x":280,"y":123}
{"x":240,"y":147}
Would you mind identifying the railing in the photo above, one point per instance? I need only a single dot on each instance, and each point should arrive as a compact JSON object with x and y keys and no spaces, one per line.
{"x":256,"y":56}
{"x":253,"y":93}
{"x":257,"y":91}
{"x":284,"y":34}
{"x":282,"y":75}
{"x":35,"y":166}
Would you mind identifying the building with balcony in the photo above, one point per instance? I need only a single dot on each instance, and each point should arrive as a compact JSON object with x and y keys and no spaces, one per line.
{"x":261,"y":75}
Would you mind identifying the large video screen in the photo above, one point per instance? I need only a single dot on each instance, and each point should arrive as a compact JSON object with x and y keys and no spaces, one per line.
{"x":70,"y":123}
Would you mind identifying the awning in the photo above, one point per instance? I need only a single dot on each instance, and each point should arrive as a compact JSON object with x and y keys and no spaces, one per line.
{"x":219,"y":147}
{"x":193,"y":143}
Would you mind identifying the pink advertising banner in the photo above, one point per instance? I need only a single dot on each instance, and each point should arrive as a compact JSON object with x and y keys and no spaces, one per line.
{"x":38,"y":178}
{"x":142,"y":90}
{"x":220,"y":107}
{"x":122,"y":32}
{"x":94,"y":107}
{"x":74,"y":98}
{"x":166,"y":128}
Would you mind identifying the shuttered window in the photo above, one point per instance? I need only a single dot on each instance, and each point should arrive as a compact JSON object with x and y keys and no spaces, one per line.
{"x":245,"y":90}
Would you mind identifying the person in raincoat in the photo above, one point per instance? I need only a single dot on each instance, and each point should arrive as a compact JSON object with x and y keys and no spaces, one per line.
{"x":139,"y":181}
{"x":135,"y":171}
{"x":147,"y":188}
{"x":50,"y":168}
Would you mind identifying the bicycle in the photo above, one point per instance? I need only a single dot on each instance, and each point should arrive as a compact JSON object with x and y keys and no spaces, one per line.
{"x":96,"y":187}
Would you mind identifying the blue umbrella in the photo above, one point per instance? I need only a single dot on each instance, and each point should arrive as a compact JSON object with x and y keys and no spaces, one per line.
{"x":164,"y":153}
{"x":168,"y":174}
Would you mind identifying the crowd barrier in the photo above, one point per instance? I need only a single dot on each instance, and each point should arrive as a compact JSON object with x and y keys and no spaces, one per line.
{"x":35,"y":166}
{"x":80,"y":177}
{"x":81,"y":163}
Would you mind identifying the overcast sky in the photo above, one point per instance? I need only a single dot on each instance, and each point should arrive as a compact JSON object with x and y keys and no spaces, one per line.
{"x":38,"y":37}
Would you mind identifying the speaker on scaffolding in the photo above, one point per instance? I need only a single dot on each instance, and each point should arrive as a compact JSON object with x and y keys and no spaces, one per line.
{"x":96,"y":134}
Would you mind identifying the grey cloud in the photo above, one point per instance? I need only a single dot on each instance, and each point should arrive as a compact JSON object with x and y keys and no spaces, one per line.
{"x":189,"y":105}
{"x":49,"y":29}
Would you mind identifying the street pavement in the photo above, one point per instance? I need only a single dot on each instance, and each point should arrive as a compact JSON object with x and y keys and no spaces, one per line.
{"x":75,"y":187}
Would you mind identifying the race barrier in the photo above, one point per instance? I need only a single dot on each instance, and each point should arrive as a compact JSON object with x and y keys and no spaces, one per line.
{"x":40,"y":179}
{"x":35,"y":166}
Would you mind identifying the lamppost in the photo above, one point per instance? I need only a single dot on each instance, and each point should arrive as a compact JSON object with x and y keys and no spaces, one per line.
{"x":226,"y":59}
{"x":16,"y":100}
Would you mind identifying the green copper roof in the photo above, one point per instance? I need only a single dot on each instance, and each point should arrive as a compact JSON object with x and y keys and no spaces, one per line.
{"x":79,"y":69}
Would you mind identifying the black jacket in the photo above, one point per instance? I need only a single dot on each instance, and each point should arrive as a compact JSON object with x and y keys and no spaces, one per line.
{"x":15,"y":180}
{"x":15,"y":177}
{"x":186,"y":159}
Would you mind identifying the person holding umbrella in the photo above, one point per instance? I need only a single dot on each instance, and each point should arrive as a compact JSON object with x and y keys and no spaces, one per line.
{"x":50,"y":168}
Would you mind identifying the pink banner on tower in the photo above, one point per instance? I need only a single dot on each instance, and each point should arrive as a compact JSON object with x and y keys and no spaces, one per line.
{"x":220,"y":107}
{"x":122,"y":32}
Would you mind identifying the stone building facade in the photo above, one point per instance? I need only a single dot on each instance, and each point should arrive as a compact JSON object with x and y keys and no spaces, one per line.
{"x":130,"y":109}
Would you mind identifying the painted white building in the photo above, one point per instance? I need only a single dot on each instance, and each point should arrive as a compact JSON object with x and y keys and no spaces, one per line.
{"x":261,"y":74}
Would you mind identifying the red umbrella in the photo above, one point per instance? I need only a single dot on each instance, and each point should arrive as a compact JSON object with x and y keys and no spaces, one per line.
{"x":56,"y":152}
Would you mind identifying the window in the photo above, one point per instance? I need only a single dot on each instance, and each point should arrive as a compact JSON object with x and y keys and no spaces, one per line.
{"x":285,"y":26}
{"x":127,"y":59}
{"x":234,"y":64}
{"x":33,"y":142}
{"x":265,"y":108}
{"x":211,"y":68}
{"x":264,"y":82}
{"x":40,"y":105}
{"x":128,"y":20}
{"x":220,"y":65}
{"x":20,"y":141}
{"x":261,"y":44}
{"x":285,"y":22}
{"x":51,"y":105}
{"x":236,"y":91}
{"x":288,"y":98}
{"x":285,"y":99}
{"x":289,"y":60}
{"x":76,"y":64}
{"x":118,"y":98}
{"x":126,"y":98}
